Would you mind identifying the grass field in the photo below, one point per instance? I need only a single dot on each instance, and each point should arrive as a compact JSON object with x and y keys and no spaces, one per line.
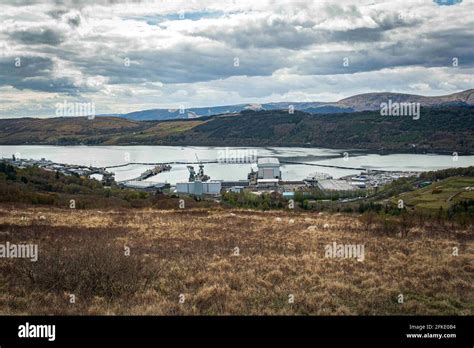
{"x":443,"y":194}
{"x":219,"y":262}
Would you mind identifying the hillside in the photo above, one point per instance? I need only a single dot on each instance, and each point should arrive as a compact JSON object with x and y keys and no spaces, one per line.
{"x":438,"y":129}
{"x":360,"y":102}
{"x":80,"y":130}
{"x":372,"y":101}
{"x":65,"y":130}
{"x":192,"y":252}
{"x":444,"y":194}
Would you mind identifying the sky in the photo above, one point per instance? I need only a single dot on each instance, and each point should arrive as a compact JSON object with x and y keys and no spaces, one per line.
{"x":125,"y":56}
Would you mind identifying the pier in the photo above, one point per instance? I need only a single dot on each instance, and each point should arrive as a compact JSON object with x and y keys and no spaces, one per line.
{"x":323,"y":165}
{"x":160,"y":168}
{"x":209,"y":162}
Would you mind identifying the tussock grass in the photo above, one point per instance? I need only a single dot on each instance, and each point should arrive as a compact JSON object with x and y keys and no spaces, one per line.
{"x":192,"y":252}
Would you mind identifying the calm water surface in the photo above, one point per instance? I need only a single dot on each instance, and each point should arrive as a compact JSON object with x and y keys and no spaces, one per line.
{"x":103,"y":156}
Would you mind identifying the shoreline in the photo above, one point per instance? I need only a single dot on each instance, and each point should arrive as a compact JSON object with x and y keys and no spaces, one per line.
{"x":354,"y":150}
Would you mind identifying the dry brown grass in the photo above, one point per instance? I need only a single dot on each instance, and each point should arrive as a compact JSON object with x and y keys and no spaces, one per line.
{"x":191,"y":252}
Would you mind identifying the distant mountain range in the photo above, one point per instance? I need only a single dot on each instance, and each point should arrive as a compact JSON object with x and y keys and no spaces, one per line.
{"x":359,"y":102}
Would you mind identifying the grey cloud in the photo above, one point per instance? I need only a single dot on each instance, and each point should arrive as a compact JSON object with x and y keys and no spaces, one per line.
{"x":74,"y":21}
{"x":34,"y":73}
{"x":263,"y":36}
{"x":178,"y":64}
{"x":73,"y":17}
{"x":21,"y":2}
{"x":38,"y":36}
{"x":57,"y":13}
{"x":295,"y":34}
{"x":335,"y":10}
{"x":96,"y":47}
{"x":72,"y":3}
{"x":430,"y":52}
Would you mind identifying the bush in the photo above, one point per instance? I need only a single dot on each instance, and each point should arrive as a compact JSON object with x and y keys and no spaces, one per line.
{"x":87,"y":268}
{"x":368,"y":219}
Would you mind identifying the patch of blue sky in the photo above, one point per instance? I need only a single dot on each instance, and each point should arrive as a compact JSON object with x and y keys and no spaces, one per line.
{"x":447,"y":2}
{"x":151,"y":20}
{"x":194,"y":16}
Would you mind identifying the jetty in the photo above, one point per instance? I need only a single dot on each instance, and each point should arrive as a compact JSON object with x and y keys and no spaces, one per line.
{"x":150,"y":172}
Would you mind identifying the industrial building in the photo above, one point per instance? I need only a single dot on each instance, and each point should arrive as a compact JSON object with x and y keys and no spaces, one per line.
{"x":236,"y":189}
{"x":268,"y":168}
{"x":199,"y":184}
{"x":312,"y":180}
{"x":267,"y":184}
{"x":199,"y":188}
{"x":227,"y":184}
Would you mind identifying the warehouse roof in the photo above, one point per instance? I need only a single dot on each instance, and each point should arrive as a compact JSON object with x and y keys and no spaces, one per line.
{"x":263,"y":181}
{"x":335,"y":185}
{"x":268,"y":160}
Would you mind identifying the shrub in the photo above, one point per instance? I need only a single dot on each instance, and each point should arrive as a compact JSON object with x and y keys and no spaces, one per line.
{"x":88,"y":267}
{"x":368,"y":219}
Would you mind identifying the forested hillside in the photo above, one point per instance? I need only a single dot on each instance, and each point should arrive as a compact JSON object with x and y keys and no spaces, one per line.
{"x":437,"y":130}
